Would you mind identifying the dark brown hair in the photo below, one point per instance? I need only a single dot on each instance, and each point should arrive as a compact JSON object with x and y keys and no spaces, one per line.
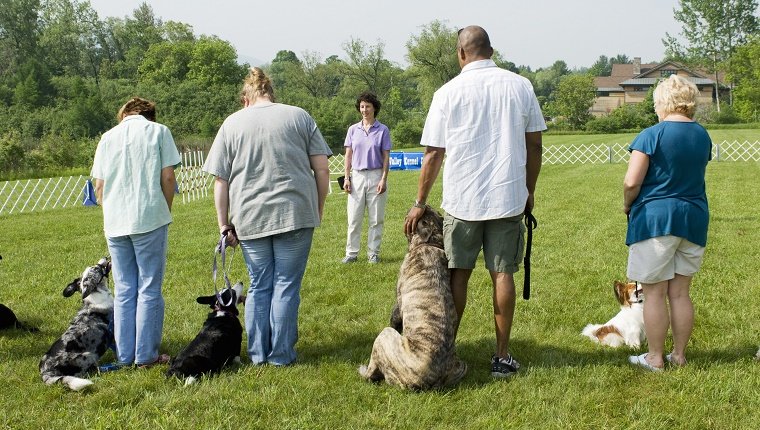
{"x":368,"y":97}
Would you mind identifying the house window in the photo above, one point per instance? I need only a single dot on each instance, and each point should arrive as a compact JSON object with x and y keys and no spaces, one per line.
{"x":667,"y":72}
{"x":602,"y":93}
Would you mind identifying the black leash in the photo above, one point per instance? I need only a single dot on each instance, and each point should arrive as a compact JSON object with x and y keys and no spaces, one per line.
{"x":531,"y":223}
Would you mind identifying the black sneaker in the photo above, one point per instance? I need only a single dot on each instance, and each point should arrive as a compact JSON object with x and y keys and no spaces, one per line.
{"x":503,"y":367}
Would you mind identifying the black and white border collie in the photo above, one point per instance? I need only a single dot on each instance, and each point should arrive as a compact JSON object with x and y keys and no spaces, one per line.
{"x":8,"y":318}
{"x":218,"y":342}
{"x":77,"y":352}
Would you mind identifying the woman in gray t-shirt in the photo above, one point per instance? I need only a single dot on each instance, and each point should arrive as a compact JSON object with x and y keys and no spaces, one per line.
{"x":272,"y":177}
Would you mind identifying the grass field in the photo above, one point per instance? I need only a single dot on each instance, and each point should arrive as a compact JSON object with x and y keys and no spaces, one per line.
{"x":566,"y":382}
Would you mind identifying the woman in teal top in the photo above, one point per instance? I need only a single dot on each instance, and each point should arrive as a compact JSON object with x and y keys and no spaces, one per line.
{"x":664,"y":197}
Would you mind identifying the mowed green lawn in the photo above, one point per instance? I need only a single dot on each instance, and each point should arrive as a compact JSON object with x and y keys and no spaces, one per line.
{"x":567,"y":382}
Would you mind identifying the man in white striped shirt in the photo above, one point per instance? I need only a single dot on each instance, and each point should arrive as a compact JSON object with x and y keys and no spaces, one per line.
{"x":488,"y":123}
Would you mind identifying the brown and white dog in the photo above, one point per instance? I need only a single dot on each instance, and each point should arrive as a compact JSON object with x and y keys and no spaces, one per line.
{"x":627,"y":327}
{"x":417,"y":352}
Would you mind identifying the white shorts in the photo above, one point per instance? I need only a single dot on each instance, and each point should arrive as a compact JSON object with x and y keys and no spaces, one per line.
{"x":660,"y":258}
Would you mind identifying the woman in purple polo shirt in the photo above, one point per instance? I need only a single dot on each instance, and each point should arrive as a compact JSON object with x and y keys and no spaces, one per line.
{"x":368,"y":148}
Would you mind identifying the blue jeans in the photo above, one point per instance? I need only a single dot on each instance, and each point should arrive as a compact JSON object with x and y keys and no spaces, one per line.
{"x":138,"y":262}
{"x":276,"y":265}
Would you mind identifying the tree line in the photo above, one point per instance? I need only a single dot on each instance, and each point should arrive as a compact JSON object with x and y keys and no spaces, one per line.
{"x":64,"y":72}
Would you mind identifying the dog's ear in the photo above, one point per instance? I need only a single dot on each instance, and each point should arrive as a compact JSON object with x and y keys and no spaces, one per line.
{"x":424,"y":230}
{"x":206,"y":300}
{"x":621,"y":294}
{"x":72,"y":288}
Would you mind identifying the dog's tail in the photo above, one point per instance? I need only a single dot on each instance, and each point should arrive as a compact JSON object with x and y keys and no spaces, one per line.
{"x":590,"y":331}
{"x":72,"y":382}
{"x":604,"y":334}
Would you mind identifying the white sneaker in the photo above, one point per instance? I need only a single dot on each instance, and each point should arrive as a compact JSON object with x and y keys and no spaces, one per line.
{"x":348,"y":259}
{"x":374,"y":259}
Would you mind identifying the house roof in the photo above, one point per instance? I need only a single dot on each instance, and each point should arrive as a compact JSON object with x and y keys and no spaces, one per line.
{"x":626,"y":70}
{"x":651,"y":81}
{"x":622,"y":74}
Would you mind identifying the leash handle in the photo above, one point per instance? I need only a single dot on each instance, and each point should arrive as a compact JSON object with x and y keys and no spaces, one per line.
{"x":530,"y":223}
{"x":221,"y":247}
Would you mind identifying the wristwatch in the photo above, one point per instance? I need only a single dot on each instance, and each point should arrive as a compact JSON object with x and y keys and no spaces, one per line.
{"x":419,"y":204}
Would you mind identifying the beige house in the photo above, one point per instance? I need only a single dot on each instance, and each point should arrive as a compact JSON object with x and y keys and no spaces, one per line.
{"x":629,"y":83}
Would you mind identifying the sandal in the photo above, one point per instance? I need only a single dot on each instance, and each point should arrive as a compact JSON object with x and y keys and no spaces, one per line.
{"x":162,"y":359}
{"x":669,"y":358}
{"x":641,"y":360}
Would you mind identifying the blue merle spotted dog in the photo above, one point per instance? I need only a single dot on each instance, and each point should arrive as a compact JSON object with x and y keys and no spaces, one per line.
{"x":77,"y":352}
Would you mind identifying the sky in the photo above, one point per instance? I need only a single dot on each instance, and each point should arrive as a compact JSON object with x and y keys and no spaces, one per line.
{"x":533,"y":33}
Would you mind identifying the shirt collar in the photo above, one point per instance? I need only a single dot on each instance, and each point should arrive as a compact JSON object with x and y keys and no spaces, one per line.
{"x":133,"y":116}
{"x":479,"y":64}
{"x":375,"y":124}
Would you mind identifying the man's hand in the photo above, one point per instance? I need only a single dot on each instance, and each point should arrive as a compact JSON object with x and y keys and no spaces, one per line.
{"x":410,"y":222}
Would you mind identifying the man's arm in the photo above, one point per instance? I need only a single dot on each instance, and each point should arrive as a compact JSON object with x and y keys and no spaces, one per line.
{"x":431,"y":165}
{"x":534,"y":149}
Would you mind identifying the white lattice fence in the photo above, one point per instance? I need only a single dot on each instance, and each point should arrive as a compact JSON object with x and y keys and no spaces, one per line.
{"x":48,"y":193}
{"x":39,"y":194}
{"x":192,"y":182}
{"x":737,"y":151}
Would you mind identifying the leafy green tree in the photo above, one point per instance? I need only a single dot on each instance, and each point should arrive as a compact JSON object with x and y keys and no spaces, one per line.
{"x":367,"y":69}
{"x":167,"y":62}
{"x":19,"y":34}
{"x":432,"y":58}
{"x":745,"y":73}
{"x":603,"y":66}
{"x":572,"y":99}
{"x":547,"y":79}
{"x":712,"y":30}
{"x":214,"y":61}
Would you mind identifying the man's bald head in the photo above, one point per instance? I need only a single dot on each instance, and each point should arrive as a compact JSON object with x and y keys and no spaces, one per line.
{"x":475,"y":43}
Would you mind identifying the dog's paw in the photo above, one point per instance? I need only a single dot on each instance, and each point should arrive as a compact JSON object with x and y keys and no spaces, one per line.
{"x":757,"y":356}
{"x":363,"y":371}
{"x":190,"y":380}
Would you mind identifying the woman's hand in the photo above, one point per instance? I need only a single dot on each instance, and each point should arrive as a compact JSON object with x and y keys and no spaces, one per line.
{"x":382,"y":186}
{"x":347,"y":184}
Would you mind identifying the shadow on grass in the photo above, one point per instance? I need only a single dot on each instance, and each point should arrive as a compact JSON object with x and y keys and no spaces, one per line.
{"x":534,"y":355}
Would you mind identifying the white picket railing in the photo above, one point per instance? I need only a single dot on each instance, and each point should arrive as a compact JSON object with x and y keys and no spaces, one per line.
{"x":39,"y":194}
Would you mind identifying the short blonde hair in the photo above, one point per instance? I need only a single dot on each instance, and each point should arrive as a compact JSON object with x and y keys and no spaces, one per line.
{"x":676,"y":94}
{"x":257,"y":84}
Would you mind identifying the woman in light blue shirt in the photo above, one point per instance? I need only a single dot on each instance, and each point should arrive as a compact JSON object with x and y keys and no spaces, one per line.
{"x":134,"y":183}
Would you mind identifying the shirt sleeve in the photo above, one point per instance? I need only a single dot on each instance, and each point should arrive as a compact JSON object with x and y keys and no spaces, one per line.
{"x":97,"y":163}
{"x":535,"y":116}
{"x":218,"y":161}
{"x":434,"y":133}
{"x":316,"y":144}
{"x":169,"y":155}
{"x":386,"y":139}
{"x":645,"y":142}
{"x":347,"y":143}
